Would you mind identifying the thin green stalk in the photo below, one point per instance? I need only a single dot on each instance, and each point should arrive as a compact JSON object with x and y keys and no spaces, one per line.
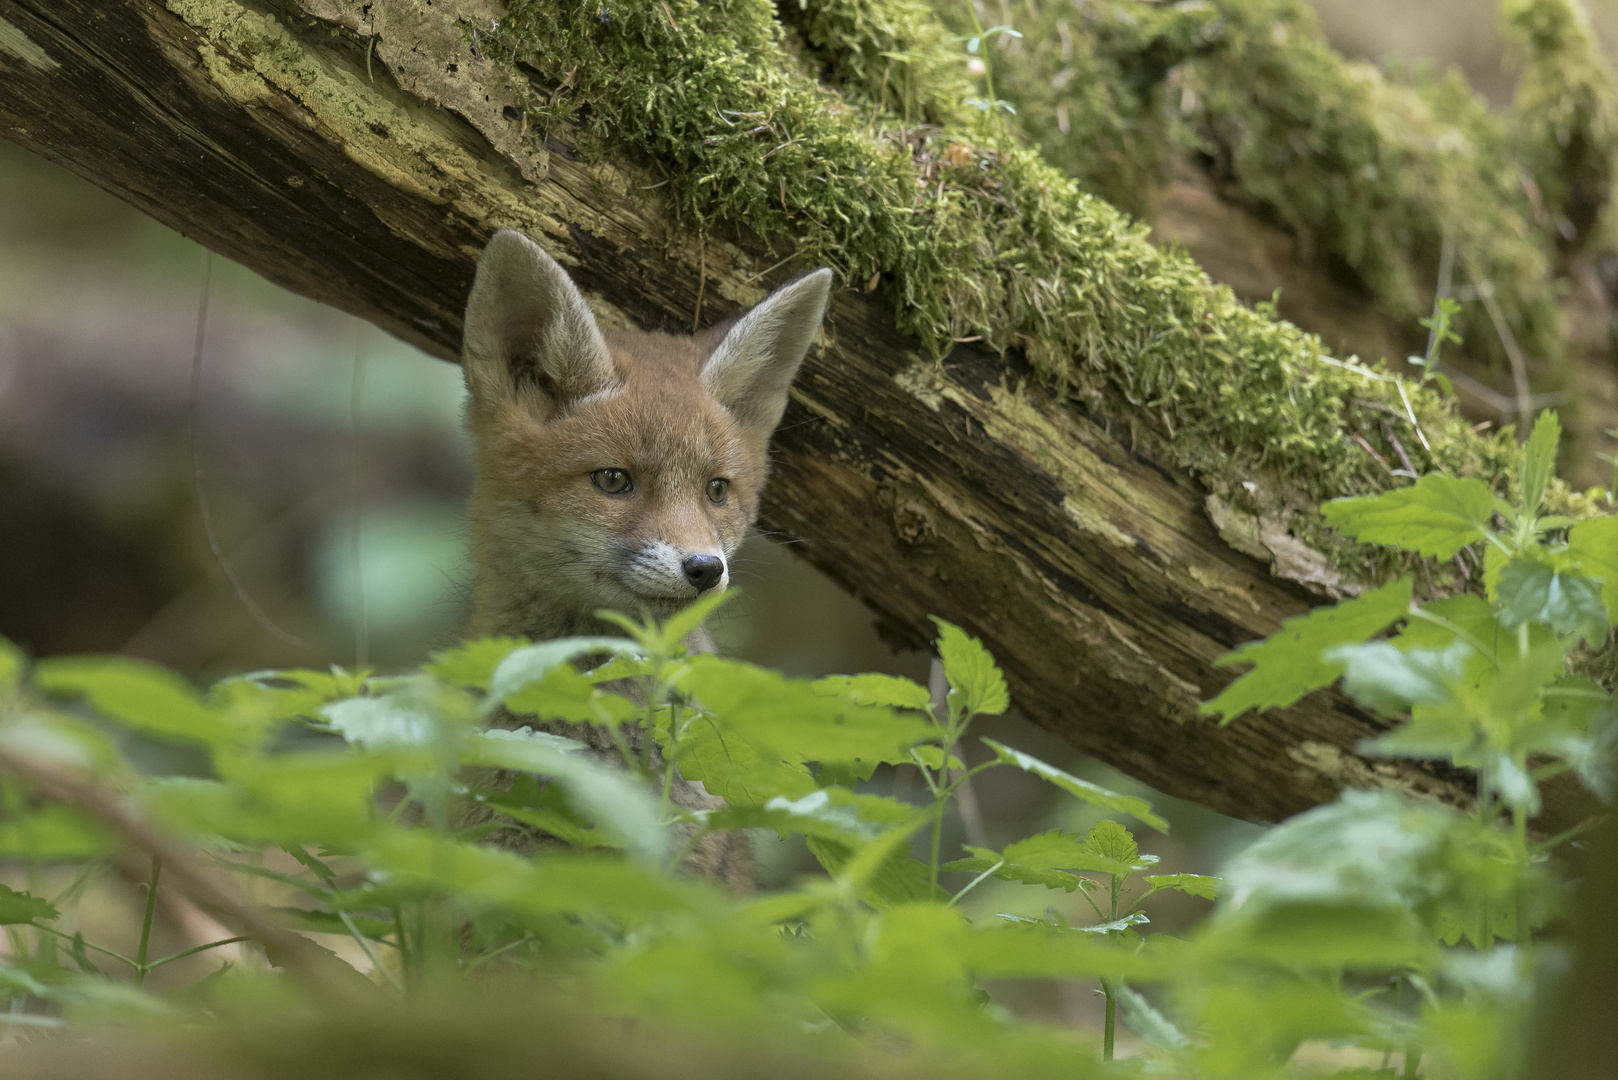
{"x":365,"y":947}
{"x":171,"y":957}
{"x":141,"y":967}
{"x":938,"y":835}
{"x":87,"y":945}
{"x":974,"y":883}
{"x":1112,"y":1015}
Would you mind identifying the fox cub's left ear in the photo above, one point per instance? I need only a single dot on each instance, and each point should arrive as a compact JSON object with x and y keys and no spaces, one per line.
{"x":754,"y":363}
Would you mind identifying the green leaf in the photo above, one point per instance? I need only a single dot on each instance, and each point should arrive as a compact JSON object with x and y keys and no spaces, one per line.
{"x":1094,"y":794}
{"x":1386,"y":678}
{"x":1291,"y":662}
{"x":1194,"y":884}
{"x":971,"y":671}
{"x":531,"y":663}
{"x":875,"y":689}
{"x":20,"y":907}
{"x":983,"y":861}
{"x":54,"y":831}
{"x":382,"y":723}
{"x":1435,"y":517}
{"x":12,"y":664}
{"x":1539,"y":461}
{"x":790,"y":719}
{"x":565,"y":694}
{"x":1110,"y":840}
{"x":1531,"y":590}
{"x":1594,"y":544}
{"x":140,"y":695}
{"x":682,"y":623}
{"x":896,"y":879}
{"x":1141,"y":1017}
{"x":473,"y":663}
{"x":732,"y":768}
{"x":815,"y":814}
{"x":622,"y":807}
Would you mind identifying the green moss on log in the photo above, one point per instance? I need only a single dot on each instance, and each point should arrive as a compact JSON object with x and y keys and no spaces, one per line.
{"x":976,"y":235}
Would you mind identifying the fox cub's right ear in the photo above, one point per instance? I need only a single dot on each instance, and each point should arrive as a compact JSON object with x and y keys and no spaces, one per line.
{"x":530,"y":336}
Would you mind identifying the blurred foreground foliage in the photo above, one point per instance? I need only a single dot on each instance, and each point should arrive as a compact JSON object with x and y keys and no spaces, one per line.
{"x":1401,"y":931}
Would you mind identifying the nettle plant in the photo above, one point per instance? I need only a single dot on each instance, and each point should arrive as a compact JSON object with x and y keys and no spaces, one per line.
{"x":1377,"y":924}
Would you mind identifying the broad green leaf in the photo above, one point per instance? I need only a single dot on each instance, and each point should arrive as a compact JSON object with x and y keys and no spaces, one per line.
{"x":682,"y":623}
{"x":1142,"y":1017}
{"x":1539,"y":461}
{"x":613,"y":799}
{"x":1594,"y":544}
{"x":1194,"y":884}
{"x":1435,"y":517}
{"x":1531,"y":590}
{"x":983,"y":861}
{"x":20,"y":907}
{"x":316,"y":797}
{"x":565,"y":694}
{"x":54,"y":831}
{"x":815,"y":814}
{"x":550,"y":884}
{"x":1384,"y":677}
{"x":933,"y":758}
{"x":473,"y":663}
{"x":140,"y":695}
{"x":1067,"y":851}
{"x":1094,"y":794}
{"x":1373,"y":852}
{"x":971,"y":671}
{"x":791,"y":719}
{"x":531,"y":663}
{"x":873,"y":689}
{"x":1115,"y":926}
{"x":382,"y":723}
{"x":896,"y":878}
{"x":12,"y":664}
{"x":1021,"y":947}
{"x":1110,"y":840}
{"x":735,"y":770}
{"x":1291,"y":662}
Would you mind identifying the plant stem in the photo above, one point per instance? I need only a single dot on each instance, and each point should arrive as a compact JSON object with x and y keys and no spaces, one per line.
{"x":988,"y":69}
{"x":141,"y":967}
{"x":87,"y":945}
{"x":155,"y":964}
{"x":938,"y":835}
{"x":1107,"y":1030}
{"x":974,"y":883}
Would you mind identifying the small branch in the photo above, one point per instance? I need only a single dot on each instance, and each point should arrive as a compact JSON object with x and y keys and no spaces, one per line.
{"x":297,"y":954}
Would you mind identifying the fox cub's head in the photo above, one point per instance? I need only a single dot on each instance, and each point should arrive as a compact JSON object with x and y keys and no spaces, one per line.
{"x":614,"y":470}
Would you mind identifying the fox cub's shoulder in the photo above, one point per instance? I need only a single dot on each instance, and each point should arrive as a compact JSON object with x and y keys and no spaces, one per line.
{"x":614,"y":469}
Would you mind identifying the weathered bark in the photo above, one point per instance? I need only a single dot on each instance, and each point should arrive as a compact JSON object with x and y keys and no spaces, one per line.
{"x":361,"y":156}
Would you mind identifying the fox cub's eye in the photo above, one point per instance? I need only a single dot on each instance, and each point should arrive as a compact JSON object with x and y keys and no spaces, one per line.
{"x":717,"y":490}
{"x":612,"y":481}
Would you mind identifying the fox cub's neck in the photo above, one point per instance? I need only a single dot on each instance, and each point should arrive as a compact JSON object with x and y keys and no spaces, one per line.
{"x":614,"y":470}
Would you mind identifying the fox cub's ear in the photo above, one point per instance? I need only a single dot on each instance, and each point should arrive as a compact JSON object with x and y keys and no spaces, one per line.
{"x":752,"y":366}
{"x":530,"y":336}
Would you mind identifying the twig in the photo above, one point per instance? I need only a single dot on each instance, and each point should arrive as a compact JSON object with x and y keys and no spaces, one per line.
{"x":702,"y":273}
{"x":196,"y":469}
{"x":1514,"y":353}
{"x":291,"y":951}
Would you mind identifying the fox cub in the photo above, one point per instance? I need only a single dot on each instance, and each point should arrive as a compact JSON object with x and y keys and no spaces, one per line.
{"x":615,"y":470}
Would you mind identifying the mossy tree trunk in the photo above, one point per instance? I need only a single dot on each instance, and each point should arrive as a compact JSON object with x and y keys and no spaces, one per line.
{"x":361,"y":153}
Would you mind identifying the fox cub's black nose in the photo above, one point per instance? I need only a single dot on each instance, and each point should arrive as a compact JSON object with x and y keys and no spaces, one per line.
{"x":703,"y":571}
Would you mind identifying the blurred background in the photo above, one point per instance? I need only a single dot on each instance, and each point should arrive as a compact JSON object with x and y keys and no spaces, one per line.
{"x":334,"y":470}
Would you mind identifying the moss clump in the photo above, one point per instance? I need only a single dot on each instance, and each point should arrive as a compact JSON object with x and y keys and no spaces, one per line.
{"x":1564,"y":117}
{"x":1371,"y":175}
{"x":979,"y":236}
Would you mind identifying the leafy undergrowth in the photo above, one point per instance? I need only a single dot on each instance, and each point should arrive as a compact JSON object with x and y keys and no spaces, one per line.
{"x":1404,"y":929}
